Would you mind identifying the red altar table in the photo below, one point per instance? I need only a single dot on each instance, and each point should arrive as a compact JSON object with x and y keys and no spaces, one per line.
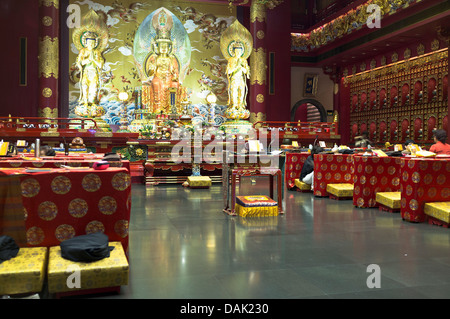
{"x":293,"y":167}
{"x":332,"y":169}
{"x":62,"y":203}
{"x":374,"y":174}
{"x":423,"y":180}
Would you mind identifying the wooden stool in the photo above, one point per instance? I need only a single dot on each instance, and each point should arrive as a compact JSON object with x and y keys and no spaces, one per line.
{"x":438,"y":213}
{"x":199,"y":181}
{"x":302,"y":187}
{"x":256,"y":206}
{"x":340,"y":191}
{"x":105,"y":275}
{"x":24,"y":273}
{"x":389,"y":201}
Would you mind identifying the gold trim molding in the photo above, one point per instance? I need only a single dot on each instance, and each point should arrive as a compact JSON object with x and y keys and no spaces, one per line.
{"x":49,"y":3}
{"x":47,"y":92}
{"x":49,"y":57}
{"x":48,"y":112}
{"x":257,"y":117}
{"x":258,"y":66}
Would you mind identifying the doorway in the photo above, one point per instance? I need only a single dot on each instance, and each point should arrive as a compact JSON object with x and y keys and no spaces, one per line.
{"x":308,"y":110}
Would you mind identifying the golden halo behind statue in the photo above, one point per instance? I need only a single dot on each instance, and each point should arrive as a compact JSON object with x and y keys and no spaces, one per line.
{"x":92,"y":26}
{"x":236,"y":35}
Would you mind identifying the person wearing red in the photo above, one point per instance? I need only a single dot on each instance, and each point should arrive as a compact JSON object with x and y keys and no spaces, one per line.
{"x":440,"y":147}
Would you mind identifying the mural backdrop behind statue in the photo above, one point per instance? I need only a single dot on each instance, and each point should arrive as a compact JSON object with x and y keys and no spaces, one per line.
{"x":203,"y":23}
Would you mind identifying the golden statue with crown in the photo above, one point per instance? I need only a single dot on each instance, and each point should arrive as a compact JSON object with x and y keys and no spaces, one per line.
{"x":236,"y":44}
{"x":162,"y":90}
{"x":91,"y":39}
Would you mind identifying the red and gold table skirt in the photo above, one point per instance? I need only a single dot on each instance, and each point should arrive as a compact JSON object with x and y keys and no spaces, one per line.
{"x":332,"y":169}
{"x":372,"y":175}
{"x":293,"y":167}
{"x":423,"y":180}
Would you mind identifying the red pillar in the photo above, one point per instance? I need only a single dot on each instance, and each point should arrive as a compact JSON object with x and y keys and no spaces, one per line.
{"x":48,"y":58}
{"x":258,"y":63}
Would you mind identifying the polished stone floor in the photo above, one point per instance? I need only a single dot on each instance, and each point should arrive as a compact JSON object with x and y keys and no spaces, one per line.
{"x":183,"y":246}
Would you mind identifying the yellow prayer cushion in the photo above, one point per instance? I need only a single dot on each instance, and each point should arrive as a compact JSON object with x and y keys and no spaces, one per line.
{"x":24,"y":273}
{"x":199,"y":181}
{"x":389,"y":199}
{"x":302,"y":186}
{"x":438,"y":210}
{"x":107,"y":272}
{"x":340,"y":190}
{"x":258,"y":211}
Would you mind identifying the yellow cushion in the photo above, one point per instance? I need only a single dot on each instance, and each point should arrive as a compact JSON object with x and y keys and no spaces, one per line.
{"x":302,"y":186}
{"x":258,"y":211}
{"x":107,"y":272}
{"x":24,"y":273}
{"x":389,"y":199}
{"x":199,"y":181}
{"x":438,"y":210}
{"x":340,"y":190}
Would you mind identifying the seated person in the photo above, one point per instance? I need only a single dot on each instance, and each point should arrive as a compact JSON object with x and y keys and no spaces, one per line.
{"x":363,"y":140}
{"x":405,"y":147}
{"x":440,"y":147}
{"x":307,"y":173}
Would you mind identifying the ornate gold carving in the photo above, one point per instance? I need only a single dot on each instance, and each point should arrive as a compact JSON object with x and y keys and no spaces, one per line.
{"x":257,"y":117}
{"x":47,"y":92}
{"x":383,"y":60}
{"x":103,"y":134}
{"x":48,"y":112}
{"x":50,"y":134}
{"x":345,"y":24}
{"x":420,"y":49}
{"x":47,"y":21}
{"x":440,"y":56}
{"x":260,"y":98}
{"x":435,"y":45}
{"x":257,"y":12}
{"x":260,"y":34}
{"x":258,"y":66}
{"x":49,"y":3}
{"x":373,"y":64}
{"x":407,"y":53}
{"x":49,"y":57}
{"x":394,"y":57}
{"x":362,"y":67}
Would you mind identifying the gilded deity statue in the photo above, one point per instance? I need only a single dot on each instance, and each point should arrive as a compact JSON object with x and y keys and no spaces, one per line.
{"x":236,"y":44}
{"x":90,"y":63}
{"x":163,"y":69}
{"x":238,"y":72}
{"x":90,"y":39}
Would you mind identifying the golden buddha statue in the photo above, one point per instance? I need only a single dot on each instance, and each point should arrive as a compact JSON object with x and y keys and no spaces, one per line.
{"x":90,"y":63}
{"x":238,"y":72}
{"x":162,"y":69}
{"x":90,"y":39}
{"x":236,"y":45}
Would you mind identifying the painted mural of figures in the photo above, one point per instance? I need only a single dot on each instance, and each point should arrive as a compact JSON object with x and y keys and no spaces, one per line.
{"x":236,"y":45}
{"x":238,"y":72}
{"x":91,"y":39}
